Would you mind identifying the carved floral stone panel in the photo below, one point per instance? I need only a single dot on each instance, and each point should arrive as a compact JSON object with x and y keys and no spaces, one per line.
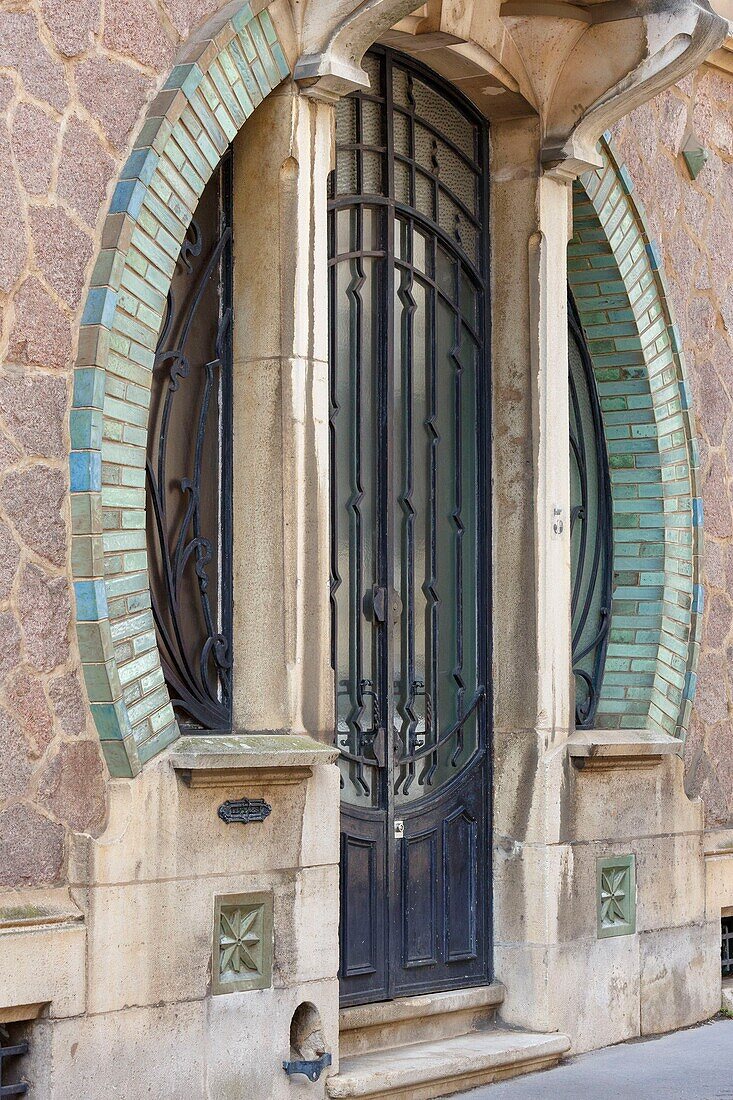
{"x":243,"y":944}
{"x":616,"y":896}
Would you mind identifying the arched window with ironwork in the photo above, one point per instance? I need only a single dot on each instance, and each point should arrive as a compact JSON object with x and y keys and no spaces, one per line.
{"x":591,"y":526}
{"x":189,"y":470}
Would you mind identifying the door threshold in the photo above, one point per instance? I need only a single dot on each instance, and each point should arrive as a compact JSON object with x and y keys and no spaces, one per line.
{"x":423,"y":1004}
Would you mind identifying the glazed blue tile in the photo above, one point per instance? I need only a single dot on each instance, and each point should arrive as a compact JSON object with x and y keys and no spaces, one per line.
{"x":698,"y":599}
{"x":85,"y":471}
{"x":140,"y":165}
{"x":100,"y":307}
{"x":91,"y":601}
{"x":89,"y":384}
{"x":654,"y":254}
{"x":128,"y":197}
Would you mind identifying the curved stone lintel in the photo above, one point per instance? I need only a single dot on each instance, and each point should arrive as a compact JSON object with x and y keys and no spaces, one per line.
{"x":655,"y":43}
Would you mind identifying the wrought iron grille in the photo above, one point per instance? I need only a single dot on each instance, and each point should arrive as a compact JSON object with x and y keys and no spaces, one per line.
{"x":726,"y":946}
{"x":189,"y":469}
{"x":9,"y":1051}
{"x":409,"y":412}
{"x":590,"y":527}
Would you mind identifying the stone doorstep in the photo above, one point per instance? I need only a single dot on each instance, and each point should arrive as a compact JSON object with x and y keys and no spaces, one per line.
{"x":425,"y":1071}
{"x":414,"y":1008}
{"x":388,"y":1024}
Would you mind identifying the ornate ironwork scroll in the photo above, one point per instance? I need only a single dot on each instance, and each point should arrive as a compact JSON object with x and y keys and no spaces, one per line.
{"x":590,"y":527}
{"x":188,"y":473}
{"x":407,"y":420}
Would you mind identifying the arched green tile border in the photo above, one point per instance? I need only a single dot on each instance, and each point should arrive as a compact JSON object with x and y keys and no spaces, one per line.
{"x":615,"y":272}
{"x":189,"y":125}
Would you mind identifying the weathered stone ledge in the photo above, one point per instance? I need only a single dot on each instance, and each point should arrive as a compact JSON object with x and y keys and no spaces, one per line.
{"x":265,"y":758}
{"x":604,"y":749}
{"x":30,"y":908}
{"x":719,"y":842}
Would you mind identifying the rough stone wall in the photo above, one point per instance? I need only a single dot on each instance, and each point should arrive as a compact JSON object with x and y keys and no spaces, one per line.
{"x":74,"y":82}
{"x":693,"y":222}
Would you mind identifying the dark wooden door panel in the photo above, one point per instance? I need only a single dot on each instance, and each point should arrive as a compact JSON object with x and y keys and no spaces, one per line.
{"x":364,"y":953}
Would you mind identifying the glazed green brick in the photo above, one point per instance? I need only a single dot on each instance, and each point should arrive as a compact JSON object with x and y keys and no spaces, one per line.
{"x":132,"y":477}
{"x":102,"y":682}
{"x":151,"y":681}
{"x":161,"y":718}
{"x":138,"y":332}
{"x":210,"y":124}
{"x":157,"y":256}
{"x":138,"y":601}
{"x":187,"y":192}
{"x":126,"y":584}
{"x":86,"y":513}
{"x":143,"y":643}
{"x":243,"y":67}
{"x":121,"y":758}
{"x":148,"y":705}
{"x":124,"y":540}
{"x":227,"y":96}
{"x":150,"y":748}
{"x":133,"y":518}
{"x":198,"y":135}
{"x":123,"y":455}
{"x":134,"y":669}
{"x":134,"y":562}
{"x":87,"y":555}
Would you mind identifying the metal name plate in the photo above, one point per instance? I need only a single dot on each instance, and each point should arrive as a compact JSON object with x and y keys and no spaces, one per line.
{"x":244,"y":810}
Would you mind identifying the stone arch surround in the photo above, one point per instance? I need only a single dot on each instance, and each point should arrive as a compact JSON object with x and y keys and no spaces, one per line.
{"x":616,"y":275}
{"x":205,"y":101}
{"x":201,"y":107}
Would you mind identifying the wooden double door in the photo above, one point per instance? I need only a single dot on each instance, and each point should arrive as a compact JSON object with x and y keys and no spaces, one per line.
{"x":410,"y":550}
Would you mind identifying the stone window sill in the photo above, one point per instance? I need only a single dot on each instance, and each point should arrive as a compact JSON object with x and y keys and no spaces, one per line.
{"x":602,"y":750}
{"x":262,"y":758}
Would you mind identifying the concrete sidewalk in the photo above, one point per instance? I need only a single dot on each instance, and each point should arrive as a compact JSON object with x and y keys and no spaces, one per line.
{"x":696,"y":1064}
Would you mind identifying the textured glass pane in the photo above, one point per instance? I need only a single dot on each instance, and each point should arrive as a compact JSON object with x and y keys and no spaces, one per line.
{"x":425,"y":196}
{"x":401,"y":88}
{"x":401,"y":135}
{"x":372,"y":123}
{"x":373,"y":69}
{"x":402,"y":192}
{"x":456,"y":176}
{"x":426,"y":150}
{"x":454,"y":222}
{"x":444,"y":117}
{"x":346,"y":122}
{"x":345,"y":172}
{"x":372,"y":169}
